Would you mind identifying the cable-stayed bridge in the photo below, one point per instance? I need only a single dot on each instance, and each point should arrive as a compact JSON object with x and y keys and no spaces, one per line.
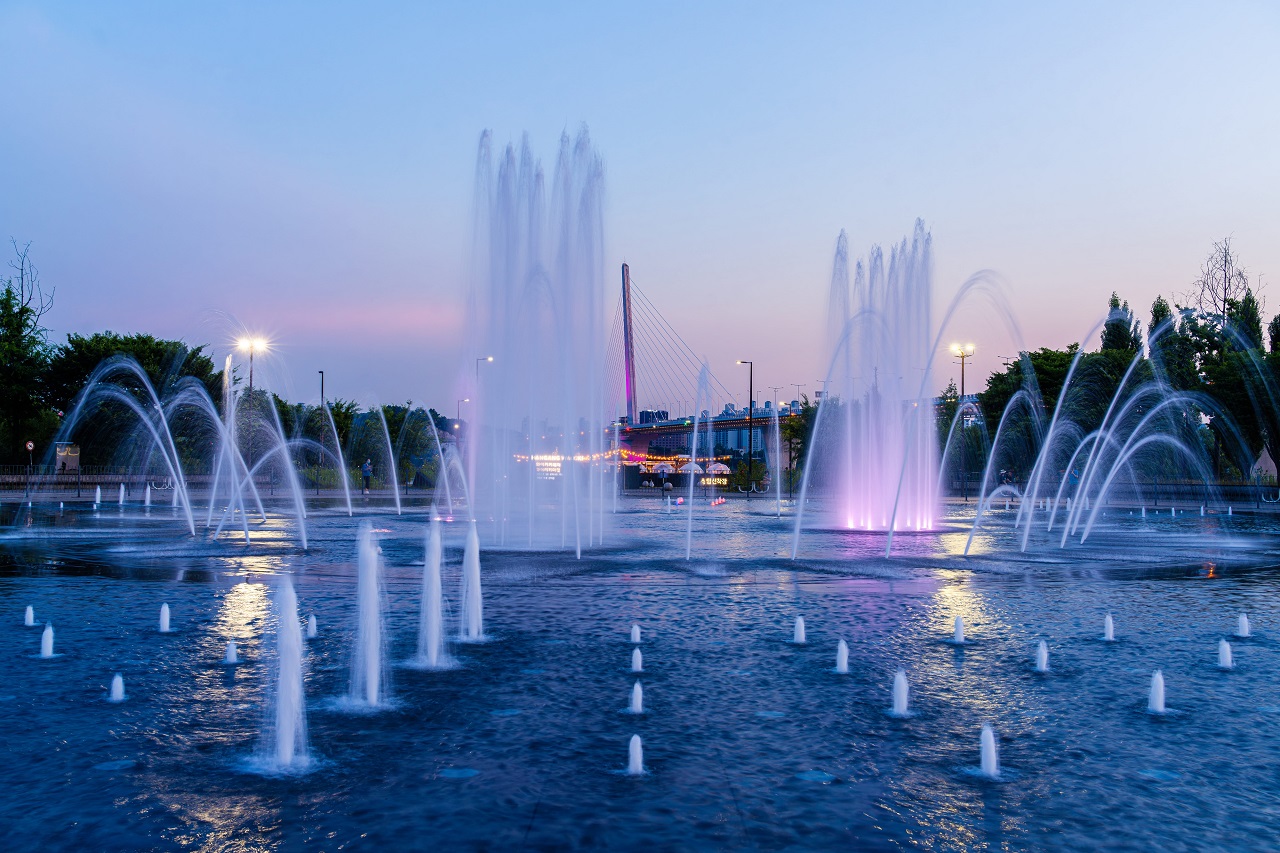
{"x":655,"y":377}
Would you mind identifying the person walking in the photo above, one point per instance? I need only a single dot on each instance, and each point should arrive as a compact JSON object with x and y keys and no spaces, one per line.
{"x":366,"y":471}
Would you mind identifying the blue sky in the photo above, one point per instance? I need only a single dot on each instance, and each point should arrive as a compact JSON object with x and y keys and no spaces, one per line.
{"x":305,"y":169}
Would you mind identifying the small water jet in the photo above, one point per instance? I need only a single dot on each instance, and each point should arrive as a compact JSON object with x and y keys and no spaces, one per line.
{"x":1242,"y":626}
{"x":117,"y":688}
{"x":97,"y":496}
{"x":431,"y":653}
{"x":287,"y":743}
{"x":46,"y":641}
{"x":990,"y":755}
{"x":637,"y":661}
{"x":367,"y":677}
{"x":1228,"y":511}
{"x":635,"y":762}
{"x":311,"y":627}
{"x":30,"y":618}
{"x":230,"y":657}
{"x":120,"y":501}
{"x":798,"y":636}
{"x":1155,"y":701}
{"x":164,"y":618}
{"x":1144,"y":512}
{"x":900,"y":694}
{"x":842,"y":657}
{"x":1042,"y":657}
{"x":1108,"y":629}
{"x":635,"y":633}
{"x":472,"y":602}
{"x":957,"y":636}
{"x":637,"y":699}
{"x":1224,"y":655}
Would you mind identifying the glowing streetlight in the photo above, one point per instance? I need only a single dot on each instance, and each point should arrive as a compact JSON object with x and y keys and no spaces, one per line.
{"x":479,"y":361}
{"x":460,"y":402}
{"x":251,"y":346}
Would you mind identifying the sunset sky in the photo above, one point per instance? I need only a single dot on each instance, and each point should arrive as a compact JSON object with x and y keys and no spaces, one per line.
{"x":304,"y":170}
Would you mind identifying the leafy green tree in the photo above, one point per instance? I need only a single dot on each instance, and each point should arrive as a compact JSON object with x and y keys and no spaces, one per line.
{"x":797,"y":432}
{"x":24,"y":354}
{"x":1121,"y":332}
{"x":164,"y":362}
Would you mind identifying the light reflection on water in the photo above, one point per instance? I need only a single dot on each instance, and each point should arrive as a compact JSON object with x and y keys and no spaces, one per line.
{"x":734,"y":711}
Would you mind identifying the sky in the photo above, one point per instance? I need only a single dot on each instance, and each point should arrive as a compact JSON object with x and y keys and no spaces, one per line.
{"x":304,"y":171}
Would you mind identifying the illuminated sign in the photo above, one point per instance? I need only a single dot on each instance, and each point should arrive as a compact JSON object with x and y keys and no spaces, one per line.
{"x":715,"y":481}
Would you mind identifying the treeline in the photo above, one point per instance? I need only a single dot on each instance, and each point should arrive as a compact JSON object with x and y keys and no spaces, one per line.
{"x":42,"y":382}
{"x":1207,"y":346}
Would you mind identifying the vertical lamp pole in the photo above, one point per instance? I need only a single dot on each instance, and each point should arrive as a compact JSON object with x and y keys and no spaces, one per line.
{"x":31,"y":446}
{"x":251,"y":346}
{"x":965,"y":352}
{"x":751,"y":435}
{"x":323,"y":412}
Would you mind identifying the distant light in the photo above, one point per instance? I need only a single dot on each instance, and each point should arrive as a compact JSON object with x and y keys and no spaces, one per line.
{"x":253,"y":344}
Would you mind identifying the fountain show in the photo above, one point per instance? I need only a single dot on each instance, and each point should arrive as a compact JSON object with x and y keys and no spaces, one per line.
{"x":838,"y":426}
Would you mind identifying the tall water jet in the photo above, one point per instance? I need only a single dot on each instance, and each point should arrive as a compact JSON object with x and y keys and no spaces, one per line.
{"x":873,"y":458}
{"x":842,"y":657}
{"x":536,"y":324}
{"x":1109,"y":629}
{"x":798,"y":636}
{"x":431,"y":619}
{"x":289,"y":733}
{"x":1042,"y":657}
{"x":1242,"y":626}
{"x":1155,"y":701}
{"x":230,"y":658}
{"x":311,"y":627}
{"x":29,"y":619}
{"x":900,"y":694}
{"x":957,"y":635}
{"x":637,"y":699}
{"x":635,"y":762}
{"x":164,"y":618}
{"x":637,"y":661}
{"x":1224,"y":655}
{"x":472,"y":601}
{"x":117,"y":689}
{"x":46,"y":641}
{"x":367,"y":677}
{"x":990,"y":756}
{"x":635,"y":633}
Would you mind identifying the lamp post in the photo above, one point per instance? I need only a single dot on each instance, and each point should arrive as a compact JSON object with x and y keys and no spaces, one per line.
{"x":482,"y":358}
{"x":460,"y":402}
{"x":251,"y":346}
{"x":965,"y":352}
{"x":319,"y":460}
{"x":751,"y":436}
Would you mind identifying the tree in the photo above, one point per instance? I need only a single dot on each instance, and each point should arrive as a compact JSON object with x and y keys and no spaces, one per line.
{"x":1222,"y":280}
{"x":24,"y":354}
{"x":1244,"y":319}
{"x":797,"y":431}
{"x":1121,"y":332}
{"x":1273,"y":333}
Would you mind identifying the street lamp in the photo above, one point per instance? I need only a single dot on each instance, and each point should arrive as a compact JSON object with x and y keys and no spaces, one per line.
{"x":751,"y":436}
{"x":319,"y":458}
{"x":460,"y":402}
{"x":251,"y":346}
{"x":478,"y":362}
{"x":965,"y":352}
